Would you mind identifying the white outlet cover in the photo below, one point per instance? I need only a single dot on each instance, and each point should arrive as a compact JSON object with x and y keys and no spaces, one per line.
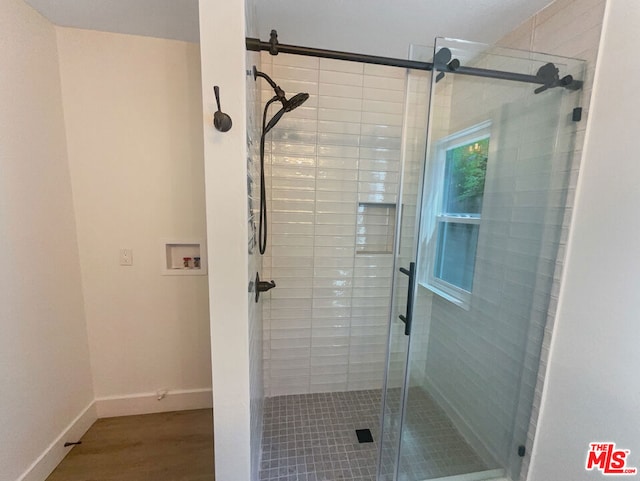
{"x":126,"y":257}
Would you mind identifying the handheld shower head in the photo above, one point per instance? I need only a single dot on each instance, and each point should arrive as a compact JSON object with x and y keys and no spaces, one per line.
{"x":294,"y":102}
{"x":287,"y":106}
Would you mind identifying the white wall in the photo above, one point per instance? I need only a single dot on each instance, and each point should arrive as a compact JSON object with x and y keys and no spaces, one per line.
{"x":223,"y":64}
{"x":44,"y":358}
{"x":132,"y":111}
{"x":592,"y":389}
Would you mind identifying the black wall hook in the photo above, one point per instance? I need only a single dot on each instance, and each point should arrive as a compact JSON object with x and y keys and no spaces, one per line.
{"x":221,"y":121}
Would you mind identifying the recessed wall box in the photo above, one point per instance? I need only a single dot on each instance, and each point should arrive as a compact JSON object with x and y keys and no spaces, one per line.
{"x":184,"y":257}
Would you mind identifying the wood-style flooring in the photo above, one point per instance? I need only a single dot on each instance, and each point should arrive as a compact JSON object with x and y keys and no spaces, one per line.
{"x":174,"y":446}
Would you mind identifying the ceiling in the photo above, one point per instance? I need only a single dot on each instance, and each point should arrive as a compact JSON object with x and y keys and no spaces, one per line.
{"x":388,"y":27}
{"x":377,"y":27}
{"x":175,"y":19}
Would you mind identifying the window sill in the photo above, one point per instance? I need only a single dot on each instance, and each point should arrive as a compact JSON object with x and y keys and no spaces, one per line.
{"x":462,"y":303}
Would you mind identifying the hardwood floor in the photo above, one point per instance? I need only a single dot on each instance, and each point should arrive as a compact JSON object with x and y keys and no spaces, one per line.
{"x":175,"y":446}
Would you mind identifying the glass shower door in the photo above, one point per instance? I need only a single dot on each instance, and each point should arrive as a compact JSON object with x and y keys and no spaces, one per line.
{"x":488,"y":198}
{"x":413,"y":154}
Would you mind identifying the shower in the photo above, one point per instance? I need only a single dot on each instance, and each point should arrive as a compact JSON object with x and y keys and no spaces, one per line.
{"x":287,"y":106}
{"x":415,"y":222}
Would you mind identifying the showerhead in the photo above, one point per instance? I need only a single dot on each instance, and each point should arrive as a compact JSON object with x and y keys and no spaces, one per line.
{"x":294,"y":102}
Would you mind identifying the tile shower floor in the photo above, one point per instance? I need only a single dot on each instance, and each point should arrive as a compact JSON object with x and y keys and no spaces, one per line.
{"x":311,"y":437}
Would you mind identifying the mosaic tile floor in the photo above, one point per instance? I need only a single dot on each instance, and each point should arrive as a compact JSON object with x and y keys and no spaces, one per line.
{"x":431,"y":446}
{"x":311,"y":437}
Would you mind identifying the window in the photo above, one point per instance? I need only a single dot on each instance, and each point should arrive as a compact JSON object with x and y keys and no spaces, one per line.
{"x":454,"y":192}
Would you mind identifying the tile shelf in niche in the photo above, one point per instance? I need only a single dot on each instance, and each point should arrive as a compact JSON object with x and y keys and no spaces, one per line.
{"x":183,"y":257}
{"x":374,"y":253}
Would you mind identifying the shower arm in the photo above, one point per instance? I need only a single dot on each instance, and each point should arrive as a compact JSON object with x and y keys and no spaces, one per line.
{"x":274,"y":48}
{"x":279,"y":92}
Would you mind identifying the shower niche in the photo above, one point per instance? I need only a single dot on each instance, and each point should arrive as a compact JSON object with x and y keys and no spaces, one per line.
{"x":183,"y":258}
{"x":375,"y":228}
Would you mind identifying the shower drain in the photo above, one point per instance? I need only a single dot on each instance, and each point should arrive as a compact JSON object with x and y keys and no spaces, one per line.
{"x":364,"y":436}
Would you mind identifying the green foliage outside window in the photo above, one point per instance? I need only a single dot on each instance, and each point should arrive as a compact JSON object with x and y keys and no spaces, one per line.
{"x":466,"y":168}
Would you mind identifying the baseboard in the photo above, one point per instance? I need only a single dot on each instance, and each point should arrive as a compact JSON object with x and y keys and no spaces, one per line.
{"x":467,"y":432}
{"x":51,"y":457}
{"x":147,"y":403}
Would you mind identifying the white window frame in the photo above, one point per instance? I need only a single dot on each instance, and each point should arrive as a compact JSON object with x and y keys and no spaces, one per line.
{"x":432,"y":213}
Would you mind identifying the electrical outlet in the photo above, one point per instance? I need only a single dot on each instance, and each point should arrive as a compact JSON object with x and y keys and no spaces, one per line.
{"x":126,"y":257}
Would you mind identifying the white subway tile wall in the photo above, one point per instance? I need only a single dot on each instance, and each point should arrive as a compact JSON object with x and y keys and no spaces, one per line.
{"x":325,"y":323}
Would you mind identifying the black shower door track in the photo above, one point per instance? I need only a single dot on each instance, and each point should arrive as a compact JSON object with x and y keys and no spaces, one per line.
{"x":274,"y":47}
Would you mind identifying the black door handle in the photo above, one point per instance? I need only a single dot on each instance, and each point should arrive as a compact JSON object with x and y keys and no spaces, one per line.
{"x":408,"y":318}
{"x":262,"y":286}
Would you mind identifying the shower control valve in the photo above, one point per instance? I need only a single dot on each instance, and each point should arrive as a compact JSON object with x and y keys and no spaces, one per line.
{"x":221,"y":121}
{"x":262,"y":286}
